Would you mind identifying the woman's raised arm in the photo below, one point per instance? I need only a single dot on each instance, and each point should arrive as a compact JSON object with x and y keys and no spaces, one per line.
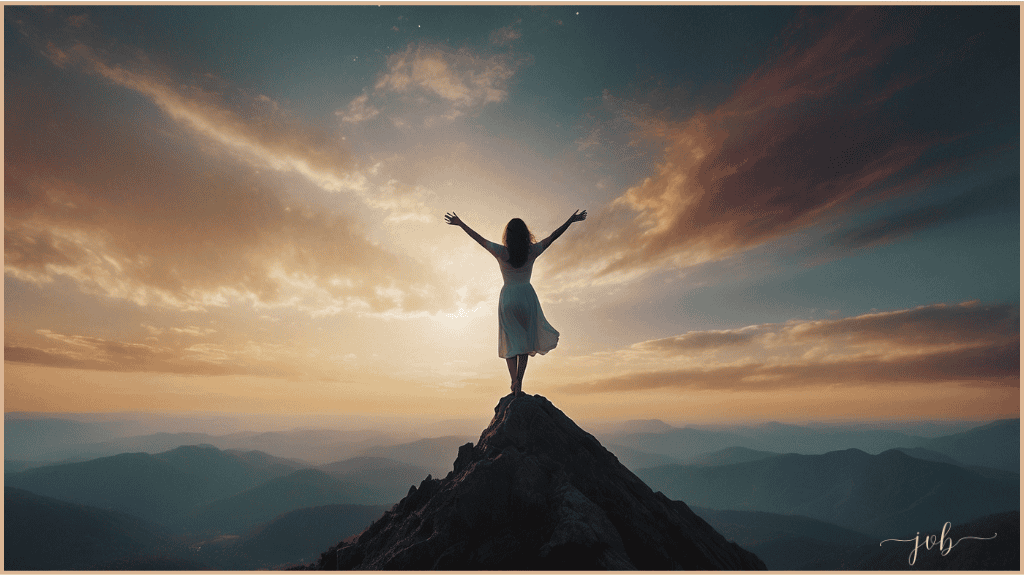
{"x":456,"y":221}
{"x":581,"y":216}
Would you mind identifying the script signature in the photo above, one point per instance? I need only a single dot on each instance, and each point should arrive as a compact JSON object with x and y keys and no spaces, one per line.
{"x":943,"y":542}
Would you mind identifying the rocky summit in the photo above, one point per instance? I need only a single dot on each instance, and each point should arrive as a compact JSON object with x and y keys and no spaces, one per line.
{"x":537,"y":492}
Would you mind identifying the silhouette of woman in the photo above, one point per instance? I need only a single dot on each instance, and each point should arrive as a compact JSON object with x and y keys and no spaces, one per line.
{"x":522,"y":329}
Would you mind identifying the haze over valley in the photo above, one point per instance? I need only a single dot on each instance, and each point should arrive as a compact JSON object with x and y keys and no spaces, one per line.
{"x":215,"y":500}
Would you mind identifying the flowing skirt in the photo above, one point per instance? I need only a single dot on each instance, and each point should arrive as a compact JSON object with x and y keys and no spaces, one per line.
{"x":522,"y":328}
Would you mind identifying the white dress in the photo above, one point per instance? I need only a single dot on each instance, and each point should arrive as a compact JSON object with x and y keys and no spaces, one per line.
{"x":522,"y":328}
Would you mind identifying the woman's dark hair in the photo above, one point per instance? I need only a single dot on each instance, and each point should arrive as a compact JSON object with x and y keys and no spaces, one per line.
{"x":517,"y":240}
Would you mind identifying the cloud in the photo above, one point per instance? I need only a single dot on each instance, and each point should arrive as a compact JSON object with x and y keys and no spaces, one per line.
{"x":507,"y":34}
{"x":359,"y":110}
{"x":90,"y":353}
{"x":969,"y":344}
{"x":129,"y":207}
{"x":961,"y":324}
{"x":987,"y":366}
{"x":700,"y":341}
{"x":268,"y":359}
{"x":192,"y":331}
{"x":810,"y":134}
{"x":1002,"y":195}
{"x":461,"y":79}
{"x":261,"y":131}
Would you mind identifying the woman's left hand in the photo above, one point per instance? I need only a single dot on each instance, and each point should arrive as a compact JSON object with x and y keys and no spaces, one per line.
{"x":578,"y":217}
{"x":452,"y":219}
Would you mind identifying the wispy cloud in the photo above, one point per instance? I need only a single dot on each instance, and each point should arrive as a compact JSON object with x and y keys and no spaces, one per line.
{"x":91,"y":353}
{"x":700,"y":341}
{"x":261,"y":131}
{"x":166,"y":356}
{"x":460,"y":77}
{"x":135,"y":209}
{"x":968,"y":344}
{"x":439,"y":82}
{"x":805,"y":137}
{"x":1002,"y":195}
{"x":507,"y":34}
{"x":358,"y":110}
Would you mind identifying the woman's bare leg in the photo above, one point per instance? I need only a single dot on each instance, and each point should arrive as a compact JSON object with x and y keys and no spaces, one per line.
{"x":512,"y":370}
{"x":520,"y":372}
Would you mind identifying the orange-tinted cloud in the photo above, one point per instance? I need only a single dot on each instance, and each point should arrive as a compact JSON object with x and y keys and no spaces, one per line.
{"x":805,"y":137}
{"x":940,"y":324}
{"x":968,"y":344}
{"x":255,"y":127}
{"x":130,"y":206}
{"x":464,"y":79}
{"x":434,"y":84}
{"x":89,"y":353}
{"x":988,"y":366}
{"x":701,"y":340}
{"x":186,"y":350}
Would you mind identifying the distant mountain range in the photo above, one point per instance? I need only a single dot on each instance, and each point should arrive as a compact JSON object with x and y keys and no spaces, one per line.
{"x":29,"y":439}
{"x":311,"y":446}
{"x":733,"y":455}
{"x":637,"y":459}
{"x":201,"y":489}
{"x":301,"y":489}
{"x":878,"y":495}
{"x":386,"y":480}
{"x":639,"y":443}
{"x":434,"y":454}
{"x":43,"y":533}
{"x":294,"y":537}
{"x":156,"y":487}
{"x":49,"y":534}
{"x":225,"y":506}
{"x":994,"y":445}
{"x":784,"y":542}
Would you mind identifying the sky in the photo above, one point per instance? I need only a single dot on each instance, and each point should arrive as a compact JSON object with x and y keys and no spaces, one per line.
{"x":796,"y":213}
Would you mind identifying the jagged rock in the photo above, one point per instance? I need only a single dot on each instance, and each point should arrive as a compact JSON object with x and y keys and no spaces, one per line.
{"x":537,"y":492}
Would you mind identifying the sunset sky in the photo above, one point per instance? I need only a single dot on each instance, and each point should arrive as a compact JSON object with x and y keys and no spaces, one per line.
{"x":796,"y":212}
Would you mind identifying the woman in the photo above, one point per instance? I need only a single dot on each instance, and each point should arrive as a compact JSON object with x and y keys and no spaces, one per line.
{"x":522,"y":329}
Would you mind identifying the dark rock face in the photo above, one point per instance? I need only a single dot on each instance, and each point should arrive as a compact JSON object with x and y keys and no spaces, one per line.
{"x":537,"y":493}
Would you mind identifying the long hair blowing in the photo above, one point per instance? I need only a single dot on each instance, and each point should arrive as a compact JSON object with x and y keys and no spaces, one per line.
{"x":517,"y":239}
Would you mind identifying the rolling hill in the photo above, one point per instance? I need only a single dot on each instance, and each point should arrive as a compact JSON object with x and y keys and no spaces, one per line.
{"x":300,"y":535}
{"x":388,"y":480}
{"x":783,"y":542}
{"x":733,"y":455}
{"x":436,"y":455}
{"x":245,"y":510}
{"x":156,"y":487}
{"x":994,"y":445}
{"x":879,"y":495}
{"x":44,"y":533}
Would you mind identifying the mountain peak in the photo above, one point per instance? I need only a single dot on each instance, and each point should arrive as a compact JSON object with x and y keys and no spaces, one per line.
{"x":537,"y":492}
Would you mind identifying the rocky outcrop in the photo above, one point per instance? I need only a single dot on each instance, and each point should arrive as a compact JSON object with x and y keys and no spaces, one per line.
{"x":537,"y":492}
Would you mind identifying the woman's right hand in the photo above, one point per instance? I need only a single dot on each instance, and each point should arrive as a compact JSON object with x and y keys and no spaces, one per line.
{"x":578,"y":217}
{"x":452,"y":219}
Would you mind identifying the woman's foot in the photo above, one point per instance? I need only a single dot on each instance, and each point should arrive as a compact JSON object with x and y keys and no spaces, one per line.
{"x":513,"y":387}
{"x":517,"y":387}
